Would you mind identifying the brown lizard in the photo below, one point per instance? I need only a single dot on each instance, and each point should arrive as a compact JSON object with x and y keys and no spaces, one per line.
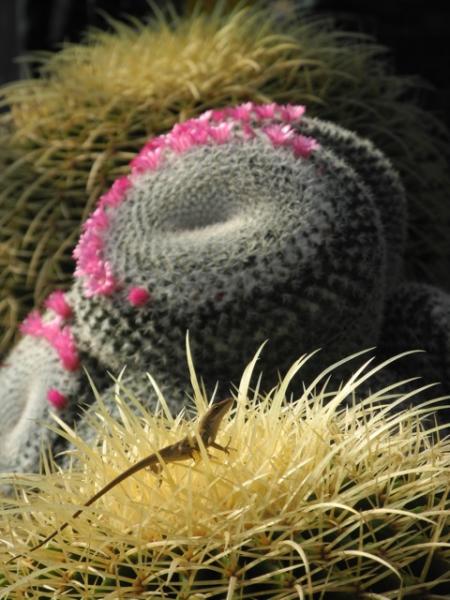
{"x":183,"y":450}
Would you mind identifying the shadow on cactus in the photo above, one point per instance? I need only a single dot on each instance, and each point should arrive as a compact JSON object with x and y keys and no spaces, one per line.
{"x":314,"y":501}
{"x":69,"y":134}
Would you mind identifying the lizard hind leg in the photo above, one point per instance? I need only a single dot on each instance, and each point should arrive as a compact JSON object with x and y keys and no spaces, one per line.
{"x":226,"y":449}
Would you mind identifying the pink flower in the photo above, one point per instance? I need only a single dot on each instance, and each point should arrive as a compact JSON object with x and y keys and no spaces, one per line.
{"x":206,"y":116}
{"x":279,"y":135}
{"x":58,"y":303}
{"x":248,"y":131}
{"x":291,"y":112}
{"x":61,"y":339}
{"x":56,"y":399}
{"x":64,"y":344}
{"x":90,"y":264}
{"x":242,"y":112}
{"x":98,"y":219}
{"x":199,"y":131}
{"x":181,"y":142}
{"x":147,"y":161}
{"x":156,"y":142}
{"x":116,"y":192}
{"x":265,"y":111}
{"x":219,"y":115}
{"x":87,"y":250}
{"x":32,"y":324}
{"x":138,"y":296}
{"x":303,"y":145}
{"x":101,"y":280}
{"x":221,"y":133}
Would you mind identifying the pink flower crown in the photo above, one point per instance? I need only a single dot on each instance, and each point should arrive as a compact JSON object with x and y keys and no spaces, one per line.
{"x":211,"y":128}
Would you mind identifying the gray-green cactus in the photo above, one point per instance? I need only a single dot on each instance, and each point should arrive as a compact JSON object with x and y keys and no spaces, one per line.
{"x":242,"y":225}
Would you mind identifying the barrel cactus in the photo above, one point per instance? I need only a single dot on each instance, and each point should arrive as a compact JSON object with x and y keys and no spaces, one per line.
{"x":315,"y":500}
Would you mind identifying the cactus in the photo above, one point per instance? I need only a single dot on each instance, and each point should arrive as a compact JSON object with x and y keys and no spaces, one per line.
{"x":315,"y":500}
{"x":245,"y":224}
{"x":69,"y":134}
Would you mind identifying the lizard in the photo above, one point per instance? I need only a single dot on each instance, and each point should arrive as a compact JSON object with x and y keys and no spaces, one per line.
{"x":184,"y":449}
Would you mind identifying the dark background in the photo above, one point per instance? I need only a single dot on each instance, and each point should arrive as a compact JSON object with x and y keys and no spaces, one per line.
{"x":417,"y":31}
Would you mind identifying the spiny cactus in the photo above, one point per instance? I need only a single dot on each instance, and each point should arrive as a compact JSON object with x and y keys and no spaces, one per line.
{"x":314,"y":501}
{"x":245,"y":224}
{"x":68,"y":135}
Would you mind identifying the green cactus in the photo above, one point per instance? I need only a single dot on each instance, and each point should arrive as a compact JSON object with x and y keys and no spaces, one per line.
{"x":314,"y":501}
